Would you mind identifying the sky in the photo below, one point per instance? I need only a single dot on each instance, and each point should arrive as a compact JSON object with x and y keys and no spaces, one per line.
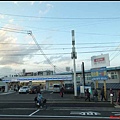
{"x":49,"y":45}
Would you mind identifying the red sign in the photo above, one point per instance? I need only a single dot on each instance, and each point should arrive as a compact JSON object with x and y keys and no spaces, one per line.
{"x":99,"y":59}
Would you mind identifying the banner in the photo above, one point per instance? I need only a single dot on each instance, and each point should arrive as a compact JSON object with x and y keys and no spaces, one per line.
{"x":99,"y":74}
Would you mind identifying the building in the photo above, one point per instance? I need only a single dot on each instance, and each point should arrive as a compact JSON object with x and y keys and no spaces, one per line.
{"x":49,"y":78}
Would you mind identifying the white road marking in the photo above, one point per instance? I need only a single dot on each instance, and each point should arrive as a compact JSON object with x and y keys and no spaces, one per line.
{"x":116,"y":113}
{"x":70,"y":109}
{"x":85,"y":113}
{"x":51,"y":93}
{"x":34,"y":112}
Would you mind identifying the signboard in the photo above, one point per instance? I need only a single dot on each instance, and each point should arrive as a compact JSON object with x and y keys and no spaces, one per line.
{"x":84,"y":88}
{"x":100,"y":61}
{"x":41,"y":78}
{"x":99,"y":73}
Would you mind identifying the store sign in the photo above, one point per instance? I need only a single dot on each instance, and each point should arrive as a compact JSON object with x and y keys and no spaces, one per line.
{"x":99,"y":73}
{"x":100,"y":61}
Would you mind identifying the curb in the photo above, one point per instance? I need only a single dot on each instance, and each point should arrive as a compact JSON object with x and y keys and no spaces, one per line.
{"x":5,"y":93}
{"x":117,"y":105}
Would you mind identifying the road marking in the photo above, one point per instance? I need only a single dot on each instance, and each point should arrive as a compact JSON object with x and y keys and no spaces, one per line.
{"x":34,"y":112}
{"x":117,"y":113}
{"x":51,"y":93}
{"x":85,"y":113}
{"x":70,"y":109}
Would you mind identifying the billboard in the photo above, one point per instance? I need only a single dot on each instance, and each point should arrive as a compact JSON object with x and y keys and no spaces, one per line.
{"x":100,"y":61}
{"x":99,"y":74}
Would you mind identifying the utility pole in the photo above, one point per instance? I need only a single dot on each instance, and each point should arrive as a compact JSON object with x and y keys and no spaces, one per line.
{"x":74,"y":56}
{"x":54,"y":69}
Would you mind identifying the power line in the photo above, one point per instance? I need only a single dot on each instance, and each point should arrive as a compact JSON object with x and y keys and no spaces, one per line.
{"x":62,"y":44}
{"x":58,"y":17}
{"x":13,"y":31}
{"x":30,"y":33}
{"x":59,"y":53}
{"x":56,"y":48}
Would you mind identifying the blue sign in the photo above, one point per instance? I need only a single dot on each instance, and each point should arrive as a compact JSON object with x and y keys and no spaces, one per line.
{"x":99,"y":73}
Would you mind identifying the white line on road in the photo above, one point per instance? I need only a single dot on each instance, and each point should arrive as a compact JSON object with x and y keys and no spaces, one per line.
{"x":70,"y":109}
{"x":51,"y":93}
{"x":34,"y":112}
{"x":116,"y":113}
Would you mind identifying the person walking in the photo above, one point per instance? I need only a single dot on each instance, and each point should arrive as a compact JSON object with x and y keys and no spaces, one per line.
{"x":87,"y":95}
{"x":118,"y":98}
{"x":103,"y":94}
{"x":62,"y":90}
{"x":111,"y":95}
{"x":95,"y":95}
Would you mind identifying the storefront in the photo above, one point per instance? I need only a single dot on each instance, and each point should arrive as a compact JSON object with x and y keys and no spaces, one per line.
{"x":3,"y":87}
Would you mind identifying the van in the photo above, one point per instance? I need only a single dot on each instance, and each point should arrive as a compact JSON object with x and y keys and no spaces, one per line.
{"x":33,"y":89}
{"x":56,"y":88}
{"x":69,"y":88}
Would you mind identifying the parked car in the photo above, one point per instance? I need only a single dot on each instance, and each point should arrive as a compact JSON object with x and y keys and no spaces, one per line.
{"x":33,"y":89}
{"x":69,"y":88}
{"x":23,"y":89}
{"x":56,"y":88}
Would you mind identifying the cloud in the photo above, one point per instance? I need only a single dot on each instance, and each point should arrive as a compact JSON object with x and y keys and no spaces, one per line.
{"x":6,"y":71}
{"x":11,"y":20}
{"x":2,"y":16}
{"x":58,"y":60}
{"x":48,"y":7}
{"x":32,"y":2}
{"x":13,"y":54}
{"x":16,"y":2}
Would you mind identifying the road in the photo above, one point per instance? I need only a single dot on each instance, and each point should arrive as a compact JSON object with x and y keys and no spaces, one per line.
{"x":22,"y":106}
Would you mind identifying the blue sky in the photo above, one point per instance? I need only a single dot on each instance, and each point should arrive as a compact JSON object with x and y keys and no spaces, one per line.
{"x":51,"y":24}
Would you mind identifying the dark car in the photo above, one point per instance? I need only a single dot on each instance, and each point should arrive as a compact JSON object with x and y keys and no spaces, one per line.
{"x":69,"y":88}
{"x":33,"y":89}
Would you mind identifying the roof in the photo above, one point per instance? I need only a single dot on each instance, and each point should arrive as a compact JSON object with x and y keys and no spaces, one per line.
{"x":110,"y":85}
{"x":114,"y":86}
{"x":87,"y":71}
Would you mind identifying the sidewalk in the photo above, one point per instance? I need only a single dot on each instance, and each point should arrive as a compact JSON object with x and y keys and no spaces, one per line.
{"x":9,"y":92}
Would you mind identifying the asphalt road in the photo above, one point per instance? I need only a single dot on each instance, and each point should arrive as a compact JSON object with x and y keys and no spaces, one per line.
{"x":21,"y":106}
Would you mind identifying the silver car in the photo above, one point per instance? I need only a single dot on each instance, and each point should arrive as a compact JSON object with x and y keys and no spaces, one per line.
{"x":24,"y":89}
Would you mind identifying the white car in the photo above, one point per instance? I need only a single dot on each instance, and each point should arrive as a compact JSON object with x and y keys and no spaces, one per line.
{"x":24,"y":89}
{"x":56,"y":88}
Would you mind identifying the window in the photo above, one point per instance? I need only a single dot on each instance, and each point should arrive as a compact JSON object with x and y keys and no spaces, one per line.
{"x":113,"y":75}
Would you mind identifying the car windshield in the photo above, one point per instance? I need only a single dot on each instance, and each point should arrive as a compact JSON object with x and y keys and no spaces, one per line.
{"x":56,"y":86}
{"x":68,"y":85}
{"x":24,"y":87}
{"x":67,"y":51}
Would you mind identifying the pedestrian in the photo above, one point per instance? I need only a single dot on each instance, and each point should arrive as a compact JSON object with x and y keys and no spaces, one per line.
{"x":39,"y":98}
{"x":87,"y":95}
{"x":118,"y":99}
{"x":38,"y":89}
{"x":111,"y":95}
{"x":111,"y":92}
{"x":95,"y":95}
{"x":62,"y":90}
{"x":103,"y":94}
